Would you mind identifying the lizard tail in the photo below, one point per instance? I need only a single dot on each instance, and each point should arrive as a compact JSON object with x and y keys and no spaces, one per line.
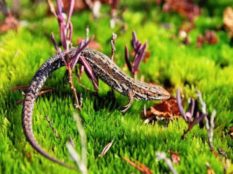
{"x":28,"y":105}
{"x":27,"y":127}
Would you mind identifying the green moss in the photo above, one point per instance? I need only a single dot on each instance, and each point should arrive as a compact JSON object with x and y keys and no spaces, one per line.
{"x":209,"y":69}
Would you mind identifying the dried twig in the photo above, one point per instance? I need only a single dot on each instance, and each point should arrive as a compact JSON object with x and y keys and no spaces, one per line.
{"x":55,"y":132}
{"x":203,"y":104}
{"x":114,"y":19}
{"x":162,"y":156}
{"x":209,"y":122}
{"x":209,"y":169}
{"x":180,"y":105}
{"x":114,"y":37}
{"x":106,"y":149}
{"x":52,"y":38}
{"x":89,"y":3}
{"x":23,"y":89}
{"x":139,"y":166}
{"x":210,"y":129}
{"x":87,"y":33}
{"x":80,"y":159}
{"x":96,"y":9}
{"x":94,"y":6}
{"x":77,"y":99}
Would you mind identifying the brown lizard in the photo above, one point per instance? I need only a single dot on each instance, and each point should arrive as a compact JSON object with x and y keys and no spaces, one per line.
{"x":103,"y":68}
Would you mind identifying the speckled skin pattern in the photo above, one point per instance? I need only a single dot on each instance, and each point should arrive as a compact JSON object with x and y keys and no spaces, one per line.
{"x":104,"y":68}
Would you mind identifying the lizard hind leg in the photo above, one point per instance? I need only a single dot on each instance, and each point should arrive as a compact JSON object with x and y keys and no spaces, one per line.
{"x":130,"y":102}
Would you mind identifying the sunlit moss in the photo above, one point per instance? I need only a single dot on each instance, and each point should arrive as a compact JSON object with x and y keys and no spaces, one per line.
{"x":209,"y":69}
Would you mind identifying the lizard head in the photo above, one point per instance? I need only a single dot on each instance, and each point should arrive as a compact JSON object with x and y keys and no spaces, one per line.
{"x":156,"y":92}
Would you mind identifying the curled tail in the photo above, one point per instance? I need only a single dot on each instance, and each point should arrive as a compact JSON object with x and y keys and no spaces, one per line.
{"x":28,"y":105}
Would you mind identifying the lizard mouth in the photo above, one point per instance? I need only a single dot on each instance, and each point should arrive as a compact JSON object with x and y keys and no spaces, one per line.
{"x":159,"y":94}
{"x":164,"y":94}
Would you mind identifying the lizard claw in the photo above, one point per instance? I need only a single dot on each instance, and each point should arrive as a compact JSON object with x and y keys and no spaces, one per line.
{"x":125,"y":108}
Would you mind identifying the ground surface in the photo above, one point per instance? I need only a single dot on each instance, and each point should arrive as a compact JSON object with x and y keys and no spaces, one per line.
{"x":208,"y":68}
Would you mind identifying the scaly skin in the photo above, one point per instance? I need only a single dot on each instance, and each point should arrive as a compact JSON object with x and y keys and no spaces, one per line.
{"x":103,"y":68}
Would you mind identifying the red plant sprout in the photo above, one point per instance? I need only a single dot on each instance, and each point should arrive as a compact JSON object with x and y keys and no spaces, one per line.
{"x":139,"y":54}
{"x":65,"y":25}
{"x":66,"y":31}
{"x":192,"y":116}
{"x":195,"y":115}
{"x":128,"y":63}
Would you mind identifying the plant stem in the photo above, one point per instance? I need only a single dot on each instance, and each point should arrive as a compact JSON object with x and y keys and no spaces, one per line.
{"x":73,"y":89}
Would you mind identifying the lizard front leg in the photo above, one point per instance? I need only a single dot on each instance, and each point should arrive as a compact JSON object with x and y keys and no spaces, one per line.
{"x":131,"y":99}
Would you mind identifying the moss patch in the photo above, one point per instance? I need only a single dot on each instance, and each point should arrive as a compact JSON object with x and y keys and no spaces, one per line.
{"x":209,"y":69}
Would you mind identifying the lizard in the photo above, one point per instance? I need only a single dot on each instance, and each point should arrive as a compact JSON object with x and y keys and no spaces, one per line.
{"x":105,"y":69}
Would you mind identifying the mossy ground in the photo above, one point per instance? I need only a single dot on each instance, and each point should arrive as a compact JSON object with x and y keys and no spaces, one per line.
{"x":208,"y":69}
